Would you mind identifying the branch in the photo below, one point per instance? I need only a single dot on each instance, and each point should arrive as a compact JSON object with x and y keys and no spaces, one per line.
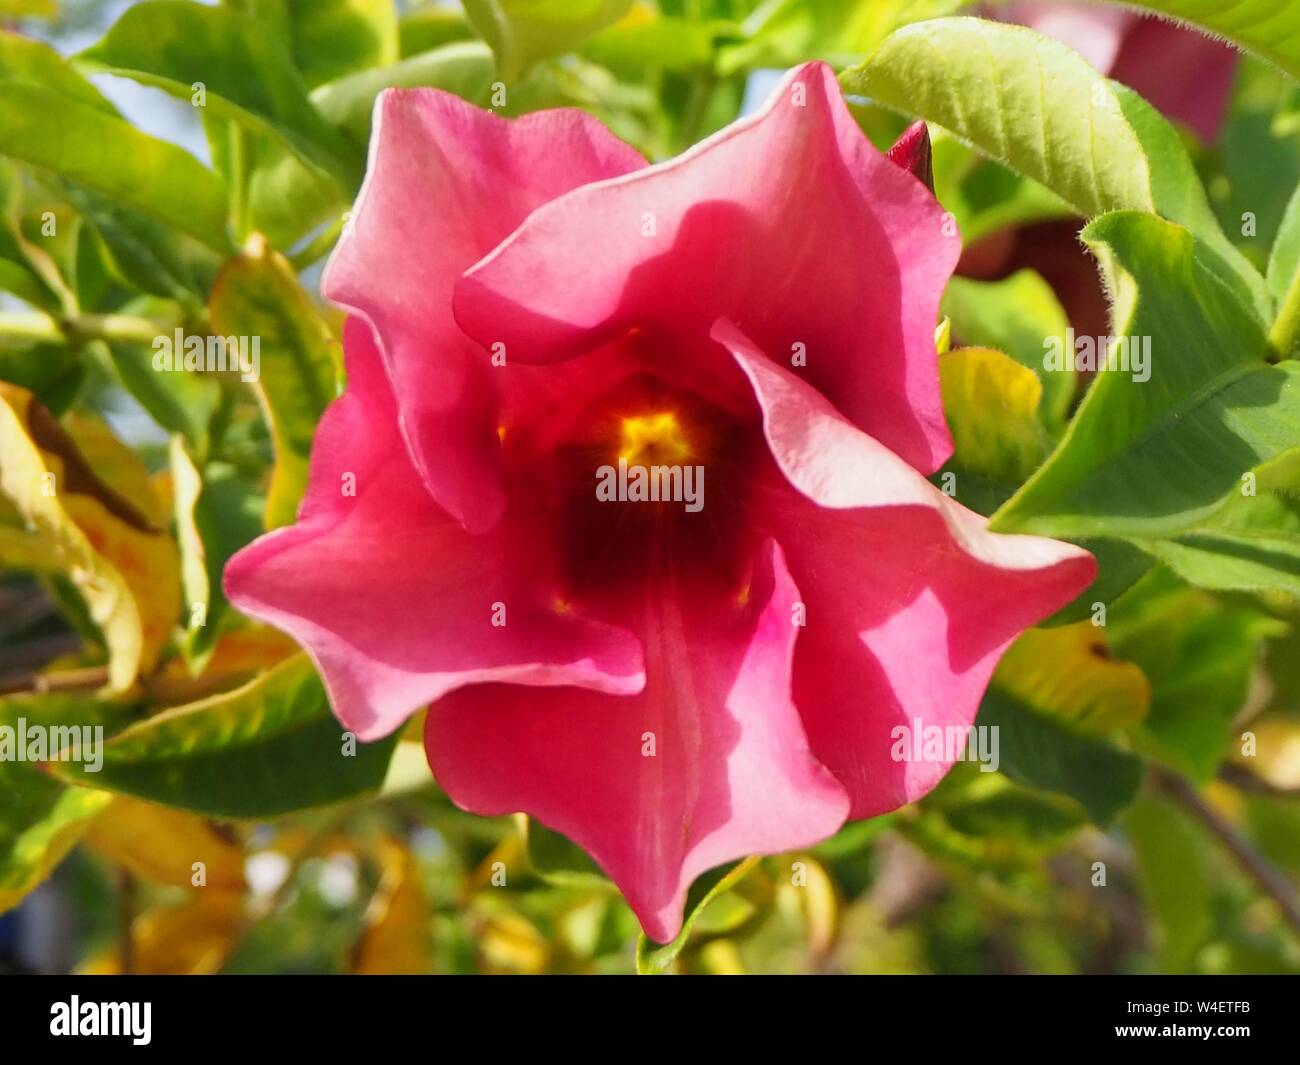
{"x":1270,"y":881}
{"x":1243,"y":779}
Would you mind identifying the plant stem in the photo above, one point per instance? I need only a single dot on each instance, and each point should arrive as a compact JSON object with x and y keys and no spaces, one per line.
{"x":1270,"y":881}
{"x":30,"y":325}
{"x":36,"y":325}
{"x":1241,"y":778}
{"x":87,"y":679}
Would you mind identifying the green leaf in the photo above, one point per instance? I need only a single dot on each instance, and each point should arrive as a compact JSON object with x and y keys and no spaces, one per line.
{"x":647,"y":39}
{"x":1252,"y":545}
{"x":652,"y":960}
{"x":144,"y":252}
{"x":331,"y":38}
{"x":29,"y":8}
{"x":1173,"y":866}
{"x":1199,"y":654}
{"x":991,"y":805}
{"x":41,"y":819}
{"x":1284,"y":283}
{"x":267,"y":748}
{"x":1268,"y":28}
{"x":557,"y":859}
{"x":1040,"y":108}
{"x":32,"y":62}
{"x":286,"y":198}
{"x":521,"y":32}
{"x":1043,"y":754}
{"x":786,"y":32}
{"x":83,"y":143}
{"x":1120,"y":565}
{"x":430,"y":27}
{"x":258,"y":296}
{"x":1284,"y":262}
{"x":1152,"y":458}
{"x":1069,"y":674}
{"x":1017,"y":315}
{"x":244,"y":74}
{"x":216,"y":515}
{"x":465,"y":68}
{"x":178,"y":400}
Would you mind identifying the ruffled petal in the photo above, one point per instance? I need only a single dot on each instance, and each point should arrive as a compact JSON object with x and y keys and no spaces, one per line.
{"x":788,"y":222}
{"x":395,"y":602}
{"x":909,"y":600}
{"x":446,"y":182}
{"x":708,"y":764}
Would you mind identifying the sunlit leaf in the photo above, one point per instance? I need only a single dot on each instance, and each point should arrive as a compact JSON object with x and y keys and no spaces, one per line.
{"x":1209,"y":397}
{"x":1040,"y":108}
{"x":263,"y":749}
{"x":82,"y":142}
{"x":242,"y":73}
{"x":524,"y":31}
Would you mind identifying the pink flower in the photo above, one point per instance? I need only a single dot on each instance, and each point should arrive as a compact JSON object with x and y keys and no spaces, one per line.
{"x":672,"y":687}
{"x":1183,"y":73}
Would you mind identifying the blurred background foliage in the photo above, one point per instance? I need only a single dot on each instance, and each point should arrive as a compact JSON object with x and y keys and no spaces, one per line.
{"x":1147,"y":812}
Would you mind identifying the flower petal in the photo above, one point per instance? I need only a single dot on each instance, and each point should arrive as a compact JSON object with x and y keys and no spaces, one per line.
{"x":789,"y":222}
{"x":730,"y":773}
{"x":446,"y":182}
{"x":909,"y":600}
{"x":395,"y":602}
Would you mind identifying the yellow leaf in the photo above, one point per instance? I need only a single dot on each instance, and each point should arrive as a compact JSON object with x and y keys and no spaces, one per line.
{"x":991,"y":403}
{"x":1068,"y":674}
{"x":36,"y":484}
{"x":195,"y":938}
{"x":396,"y":939}
{"x":167,"y":846}
{"x":511,"y":943}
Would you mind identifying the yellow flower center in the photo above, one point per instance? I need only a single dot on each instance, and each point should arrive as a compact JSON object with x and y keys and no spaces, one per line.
{"x":653,"y":440}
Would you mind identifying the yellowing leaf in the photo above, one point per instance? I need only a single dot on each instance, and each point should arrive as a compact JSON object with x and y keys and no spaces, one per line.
{"x":991,"y":402}
{"x":396,"y":938}
{"x":195,"y":938}
{"x":167,"y":846}
{"x":41,"y":846}
{"x":257,"y":295}
{"x":509,"y":942}
{"x":818,"y":903}
{"x":1068,"y":674}
{"x":37,"y":485}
